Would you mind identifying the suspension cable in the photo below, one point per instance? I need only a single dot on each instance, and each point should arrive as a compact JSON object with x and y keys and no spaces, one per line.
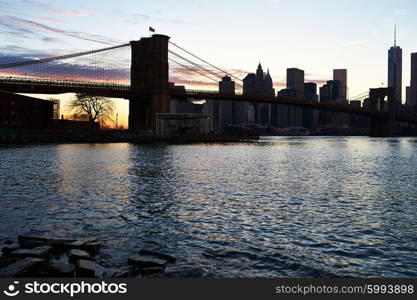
{"x":48,"y":59}
{"x":206,"y":62}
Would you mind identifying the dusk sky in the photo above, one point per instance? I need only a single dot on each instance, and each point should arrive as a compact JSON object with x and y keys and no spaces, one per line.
{"x":316,"y":36}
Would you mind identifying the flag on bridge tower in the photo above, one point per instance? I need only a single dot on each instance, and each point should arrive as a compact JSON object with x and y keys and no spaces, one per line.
{"x":151,"y":29}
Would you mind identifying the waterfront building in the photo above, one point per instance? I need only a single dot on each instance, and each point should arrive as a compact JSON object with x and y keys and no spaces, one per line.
{"x":23,"y":112}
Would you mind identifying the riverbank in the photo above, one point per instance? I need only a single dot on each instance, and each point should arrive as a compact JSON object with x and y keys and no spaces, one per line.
{"x":114,"y":136}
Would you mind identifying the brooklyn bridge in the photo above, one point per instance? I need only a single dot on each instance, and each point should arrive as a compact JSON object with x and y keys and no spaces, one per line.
{"x":157,"y":69}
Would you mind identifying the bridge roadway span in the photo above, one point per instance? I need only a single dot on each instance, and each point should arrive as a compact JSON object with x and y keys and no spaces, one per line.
{"x":39,"y":86}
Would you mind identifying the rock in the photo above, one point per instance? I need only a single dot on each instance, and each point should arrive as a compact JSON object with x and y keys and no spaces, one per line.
{"x":61,"y":269}
{"x":85,"y":268}
{"x":28,"y":242}
{"x":90,"y":269}
{"x":6,"y":261}
{"x":123,"y":272}
{"x":20,"y":268}
{"x":60,"y":244}
{"x":103,"y":272}
{"x":39,"y":252}
{"x":88,"y":240}
{"x":8,"y":242}
{"x":92,"y":247}
{"x":76,"y":254}
{"x":152,"y":271}
{"x":76,"y":244}
{"x":167,"y":257}
{"x":10,"y":248}
{"x":142,"y":261}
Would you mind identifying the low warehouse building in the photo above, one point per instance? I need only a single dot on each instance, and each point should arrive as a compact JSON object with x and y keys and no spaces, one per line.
{"x":23,"y":112}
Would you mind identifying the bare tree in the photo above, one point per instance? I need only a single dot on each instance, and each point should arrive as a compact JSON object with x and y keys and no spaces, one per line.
{"x":98,"y":109}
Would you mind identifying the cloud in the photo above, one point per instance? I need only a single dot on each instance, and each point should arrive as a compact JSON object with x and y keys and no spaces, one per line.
{"x":21,"y":54}
{"x":54,"y":9}
{"x":22,"y":25}
{"x":50,"y":39}
{"x":354,"y":43}
{"x":15,"y":30}
{"x":51,"y":20}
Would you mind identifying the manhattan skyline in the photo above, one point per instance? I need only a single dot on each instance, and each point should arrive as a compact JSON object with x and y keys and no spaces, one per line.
{"x":279,"y":34}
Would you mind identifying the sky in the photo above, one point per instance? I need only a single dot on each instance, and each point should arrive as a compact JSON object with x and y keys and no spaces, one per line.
{"x":316,"y":36}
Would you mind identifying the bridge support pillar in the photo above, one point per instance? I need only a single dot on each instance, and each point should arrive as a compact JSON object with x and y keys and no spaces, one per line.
{"x":149,"y":71}
{"x":382,"y":126}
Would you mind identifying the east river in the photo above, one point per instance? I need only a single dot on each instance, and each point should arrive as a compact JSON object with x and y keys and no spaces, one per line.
{"x":285,"y":207}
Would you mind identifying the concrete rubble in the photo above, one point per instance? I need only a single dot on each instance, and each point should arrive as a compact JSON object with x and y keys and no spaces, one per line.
{"x":48,"y":257}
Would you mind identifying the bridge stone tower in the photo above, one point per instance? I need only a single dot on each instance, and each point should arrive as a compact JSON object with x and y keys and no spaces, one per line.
{"x":382,"y":126}
{"x":149,"y":71}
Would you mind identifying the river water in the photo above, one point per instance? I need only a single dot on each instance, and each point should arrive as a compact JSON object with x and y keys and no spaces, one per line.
{"x":286,"y":207}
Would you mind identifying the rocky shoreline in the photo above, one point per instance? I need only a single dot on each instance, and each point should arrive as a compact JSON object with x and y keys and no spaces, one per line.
{"x":45,"y":257}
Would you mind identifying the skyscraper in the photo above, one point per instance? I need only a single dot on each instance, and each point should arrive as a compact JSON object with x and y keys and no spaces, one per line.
{"x":330,"y":92}
{"x":310,"y":116}
{"x":412,"y":99}
{"x":260,"y":84}
{"x":227,"y":87}
{"x":341,"y":75}
{"x":395,"y":68}
{"x":295,"y":81}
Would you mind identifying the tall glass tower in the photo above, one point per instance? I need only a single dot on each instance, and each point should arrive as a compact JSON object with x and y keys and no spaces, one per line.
{"x":395,"y":70}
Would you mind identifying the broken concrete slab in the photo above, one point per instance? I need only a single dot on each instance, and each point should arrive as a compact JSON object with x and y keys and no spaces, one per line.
{"x":20,"y":267}
{"x":61,"y":269}
{"x":10,"y":248}
{"x":90,"y":269}
{"x":39,"y":252}
{"x":7,"y":260}
{"x":143,"y":261}
{"x":27,"y":241}
{"x":76,"y":254}
{"x":85,"y":269}
{"x":152,"y":271}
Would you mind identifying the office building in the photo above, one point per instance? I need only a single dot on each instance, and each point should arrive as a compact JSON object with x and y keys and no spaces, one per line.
{"x":341,"y":75}
{"x":412,"y":91}
{"x":295,"y":81}
{"x":395,"y":67}
{"x":259,"y":84}
{"x":310,"y":116}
